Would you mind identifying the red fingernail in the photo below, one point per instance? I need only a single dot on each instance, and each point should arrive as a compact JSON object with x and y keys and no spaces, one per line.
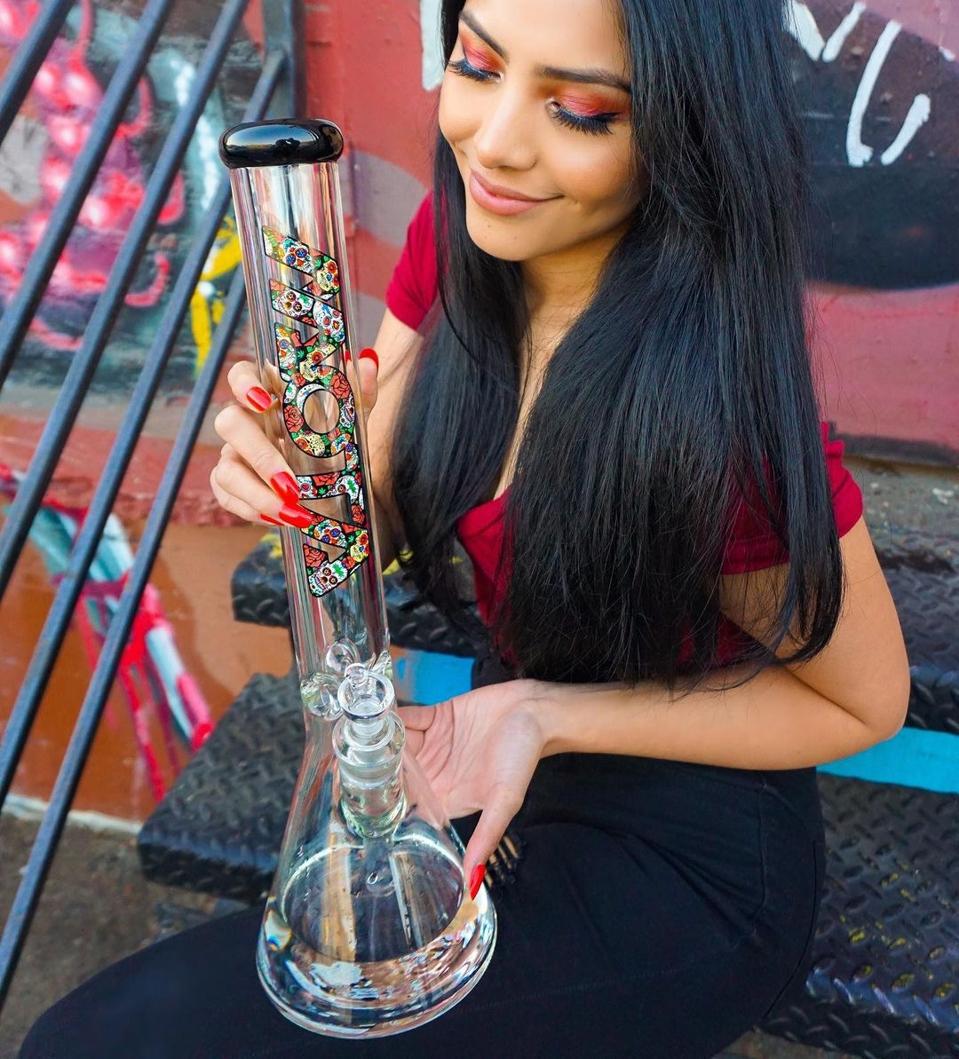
{"x":296,"y":516}
{"x":476,"y":880}
{"x":346,"y":355}
{"x":259,"y":398}
{"x":371,"y":352}
{"x":272,"y":521}
{"x":286,"y":487}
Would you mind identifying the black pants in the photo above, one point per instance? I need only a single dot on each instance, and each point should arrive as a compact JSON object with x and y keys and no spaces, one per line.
{"x":659,"y":910}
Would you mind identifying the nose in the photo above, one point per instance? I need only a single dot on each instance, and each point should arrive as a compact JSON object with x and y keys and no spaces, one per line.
{"x":504,"y":138}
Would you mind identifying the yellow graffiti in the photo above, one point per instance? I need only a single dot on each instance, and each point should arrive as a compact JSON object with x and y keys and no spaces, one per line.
{"x":395,"y":568}
{"x":272,"y":538}
{"x":208,"y":301}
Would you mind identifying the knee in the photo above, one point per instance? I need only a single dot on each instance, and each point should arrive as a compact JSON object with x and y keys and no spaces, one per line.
{"x":44,"y":1040}
{"x":99,"y":1018}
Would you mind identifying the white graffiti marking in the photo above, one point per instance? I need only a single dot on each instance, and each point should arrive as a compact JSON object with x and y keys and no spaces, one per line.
{"x":841,"y":32}
{"x":21,"y":158}
{"x":858,"y":152}
{"x":801,"y":24}
{"x":432,"y":44}
{"x":918,"y":114}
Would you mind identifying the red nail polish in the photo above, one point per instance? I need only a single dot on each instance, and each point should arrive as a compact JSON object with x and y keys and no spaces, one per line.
{"x":259,"y":398}
{"x":476,"y":879}
{"x":286,"y":487}
{"x":271,"y":521}
{"x":346,"y":355}
{"x":372,"y":354}
{"x":294,"y":515}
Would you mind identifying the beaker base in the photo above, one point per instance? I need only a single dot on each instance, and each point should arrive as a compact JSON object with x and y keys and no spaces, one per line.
{"x":325,"y":1022}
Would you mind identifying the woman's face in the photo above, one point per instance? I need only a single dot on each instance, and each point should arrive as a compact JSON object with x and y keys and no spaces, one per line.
{"x":523,"y":106}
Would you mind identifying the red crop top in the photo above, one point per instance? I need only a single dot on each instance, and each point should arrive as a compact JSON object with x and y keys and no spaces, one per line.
{"x":752,"y":545}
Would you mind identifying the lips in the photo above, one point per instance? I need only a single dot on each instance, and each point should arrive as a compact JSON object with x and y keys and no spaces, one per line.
{"x":501,"y":192}
{"x":502,"y":204}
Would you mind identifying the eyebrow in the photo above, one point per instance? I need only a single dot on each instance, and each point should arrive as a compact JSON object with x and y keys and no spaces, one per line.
{"x":590,"y":76}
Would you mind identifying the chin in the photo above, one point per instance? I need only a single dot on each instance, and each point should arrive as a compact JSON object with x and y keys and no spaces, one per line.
{"x":494,"y":236}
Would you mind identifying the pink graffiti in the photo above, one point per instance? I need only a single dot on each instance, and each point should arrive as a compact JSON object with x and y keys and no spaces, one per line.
{"x":66,"y":96}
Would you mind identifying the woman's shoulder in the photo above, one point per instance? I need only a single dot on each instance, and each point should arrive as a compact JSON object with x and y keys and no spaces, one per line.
{"x":753,"y":544}
{"x":412,"y":288}
{"x":847,"y":501}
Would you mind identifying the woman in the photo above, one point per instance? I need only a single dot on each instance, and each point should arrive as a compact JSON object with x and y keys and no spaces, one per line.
{"x":612,"y":407}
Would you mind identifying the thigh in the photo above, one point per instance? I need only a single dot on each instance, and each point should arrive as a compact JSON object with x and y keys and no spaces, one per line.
{"x":749,"y":845}
{"x":657,"y":911}
{"x":646,"y":917}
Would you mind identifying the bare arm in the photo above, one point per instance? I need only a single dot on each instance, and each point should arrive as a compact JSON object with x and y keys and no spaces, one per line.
{"x":398,"y":346}
{"x":853,"y":694}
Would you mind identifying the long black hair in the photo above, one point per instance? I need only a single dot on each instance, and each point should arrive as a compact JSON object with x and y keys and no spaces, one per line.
{"x":684,"y":386}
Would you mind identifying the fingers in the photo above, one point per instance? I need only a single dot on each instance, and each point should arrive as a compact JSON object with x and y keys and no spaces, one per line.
{"x":368,"y":367}
{"x":248,"y":388}
{"x":229,"y":502}
{"x":414,"y":742}
{"x":244,"y":433}
{"x":418,"y":718}
{"x":257,"y":395}
{"x":239,"y":490}
{"x":252,"y":479}
{"x":500,"y":809}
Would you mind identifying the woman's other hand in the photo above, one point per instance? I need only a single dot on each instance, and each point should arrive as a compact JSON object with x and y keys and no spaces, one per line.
{"x":251,"y":478}
{"x":479,"y":751}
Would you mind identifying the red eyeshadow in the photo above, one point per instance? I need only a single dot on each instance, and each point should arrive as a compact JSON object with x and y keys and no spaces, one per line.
{"x":476,"y":58}
{"x":590,"y":107}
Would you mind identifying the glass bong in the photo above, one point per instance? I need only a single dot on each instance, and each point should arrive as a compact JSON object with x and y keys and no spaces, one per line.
{"x":369,"y":928}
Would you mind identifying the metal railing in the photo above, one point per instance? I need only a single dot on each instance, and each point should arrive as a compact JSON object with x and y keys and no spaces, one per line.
{"x":278,"y":90}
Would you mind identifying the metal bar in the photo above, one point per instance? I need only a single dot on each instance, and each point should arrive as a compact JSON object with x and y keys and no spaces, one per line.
{"x":283,"y":28}
{"x":38,"y":865}
{"x":27,"y":59}
{"x":296,"y":45}
{"x":65,"y":409}
{"x":88,"y":538}
{"x":22,"y":305}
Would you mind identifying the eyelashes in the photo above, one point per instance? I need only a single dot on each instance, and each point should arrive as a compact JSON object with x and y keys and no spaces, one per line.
{"x":596,"y":126}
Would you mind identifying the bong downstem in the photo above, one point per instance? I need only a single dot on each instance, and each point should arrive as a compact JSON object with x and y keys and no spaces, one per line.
{"x":368,"y":741}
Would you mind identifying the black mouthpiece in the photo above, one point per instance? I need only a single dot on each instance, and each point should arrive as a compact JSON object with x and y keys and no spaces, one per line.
{"x":283,"y":141}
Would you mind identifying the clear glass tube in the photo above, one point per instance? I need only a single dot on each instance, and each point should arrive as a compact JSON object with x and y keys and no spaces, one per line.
{"x":337,"y":615}
{"x":368,"y":929}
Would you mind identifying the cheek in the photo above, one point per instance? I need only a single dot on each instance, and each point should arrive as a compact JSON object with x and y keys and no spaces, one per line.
{"x":453,"y":113}
{"x":598,"y":176}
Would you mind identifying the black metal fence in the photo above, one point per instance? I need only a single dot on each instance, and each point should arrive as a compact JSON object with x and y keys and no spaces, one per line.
{"x":276,"y":92}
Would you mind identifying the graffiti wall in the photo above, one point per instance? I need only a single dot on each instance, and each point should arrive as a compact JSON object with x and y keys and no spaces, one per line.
{"x":38,"y":155}
{"x":173,"y":681}
{"x":879,"y":87}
